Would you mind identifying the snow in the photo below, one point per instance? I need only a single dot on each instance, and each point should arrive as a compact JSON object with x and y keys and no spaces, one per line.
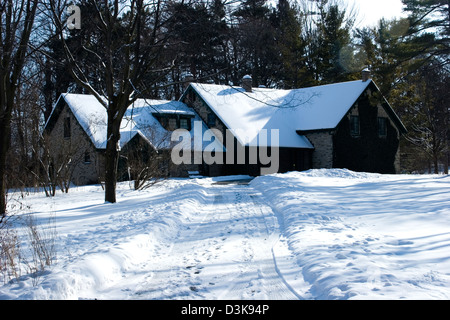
{"x":91,"y":115}
{"x":366,"y":236}
{"x":288,"y":111}
{"x":141,"y":117}
{"x":319,"y":234}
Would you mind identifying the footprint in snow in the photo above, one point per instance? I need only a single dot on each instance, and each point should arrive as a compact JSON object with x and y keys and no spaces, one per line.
{"x":400,"y":242}
{"x":340,"y":256}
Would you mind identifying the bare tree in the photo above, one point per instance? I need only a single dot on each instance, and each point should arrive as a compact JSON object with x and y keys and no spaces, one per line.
{"x":148,"y":170}
{"x":144,"y":163}
{"x":429,"y":115}
{"x":58,"y":159}
{"x":127,"y":49}
{"x":16,"y":24}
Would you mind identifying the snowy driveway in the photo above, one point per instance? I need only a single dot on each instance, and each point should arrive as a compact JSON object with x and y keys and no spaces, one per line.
{"x":224,"y":251}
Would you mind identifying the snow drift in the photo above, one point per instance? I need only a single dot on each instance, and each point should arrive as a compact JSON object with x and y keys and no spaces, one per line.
{"x":320,"y":234}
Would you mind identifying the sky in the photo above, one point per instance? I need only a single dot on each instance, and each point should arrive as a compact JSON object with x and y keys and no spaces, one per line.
{"x":370,"y":11}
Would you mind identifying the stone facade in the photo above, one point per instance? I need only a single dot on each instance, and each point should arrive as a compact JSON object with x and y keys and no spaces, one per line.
{"x":68,"y":143}
{"x":71,"y":145}
{"x":205,"y":113}
{"x":322,"y":156}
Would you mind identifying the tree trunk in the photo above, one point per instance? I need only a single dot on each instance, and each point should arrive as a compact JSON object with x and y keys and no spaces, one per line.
{"x":111,"y":157}
{"x":436,"y":164}
{"x":447,"y":151}
{"x":111,"y":172}
{"x":446,"y":162}
{"x":2,"y":185}
{"x":5,"y":126}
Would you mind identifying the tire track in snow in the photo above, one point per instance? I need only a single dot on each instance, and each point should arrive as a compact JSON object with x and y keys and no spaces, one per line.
{"x":260,"y":277}
{"x":223,"y":251}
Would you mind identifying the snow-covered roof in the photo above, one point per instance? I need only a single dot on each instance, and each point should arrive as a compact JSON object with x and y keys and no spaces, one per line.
{"x":289,"y":111}
{"x":139,"y":119}
{"x":164,"y":107}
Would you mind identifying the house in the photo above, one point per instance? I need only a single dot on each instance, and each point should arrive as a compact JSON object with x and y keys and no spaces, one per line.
{"x":75,"y":134}
{"x":224,"y":129}
{"x":343,"y":125}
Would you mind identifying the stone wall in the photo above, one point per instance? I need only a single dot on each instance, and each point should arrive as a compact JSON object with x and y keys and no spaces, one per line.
{"x":322,"y":156}
{"x":75,"y":147}
{"x":203,"y":110}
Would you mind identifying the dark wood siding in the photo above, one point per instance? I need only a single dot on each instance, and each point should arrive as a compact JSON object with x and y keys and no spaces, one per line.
{"x":367,"y":151}
{"x":290,"y":159}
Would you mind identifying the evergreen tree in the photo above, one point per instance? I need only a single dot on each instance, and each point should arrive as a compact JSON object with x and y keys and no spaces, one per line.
{"x":329,"y":42}
{"x":199,"y":41}
{"x":293,"y":71}
{"x":431,"y":16}
{"x":407,"y":61}
{"x":254,"y":44}
{"x":427,"y":115}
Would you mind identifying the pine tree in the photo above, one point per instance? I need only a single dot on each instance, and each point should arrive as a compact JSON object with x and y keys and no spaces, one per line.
{"x":199,"y":41}
{"x":431,"y":16}
{"x":429,"y":27}
{"x":332,"y":38}
{"x":426,"y":113}
{"x":293,"y":71}
{"x":408,"y":61}
{"x":254,"y":42}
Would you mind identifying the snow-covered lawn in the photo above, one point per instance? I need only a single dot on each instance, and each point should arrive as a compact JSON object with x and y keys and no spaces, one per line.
{"x":365,"y":236}
{"x":320,"y":234}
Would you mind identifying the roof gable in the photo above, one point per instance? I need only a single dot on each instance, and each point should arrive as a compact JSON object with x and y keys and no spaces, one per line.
{"x":139,"y":119}
{"x":289,"y":111}
{"x":390,"y":111}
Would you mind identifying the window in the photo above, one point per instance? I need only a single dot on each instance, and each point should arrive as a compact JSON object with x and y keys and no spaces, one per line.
{"x":172,"y":123}
{"x":382,"y":127}
{"x":184,"y":123}
{"x":211,"y":120}
{"x":354,"y":125}
{"x":67,"y":127}
{"x":87,"y":157}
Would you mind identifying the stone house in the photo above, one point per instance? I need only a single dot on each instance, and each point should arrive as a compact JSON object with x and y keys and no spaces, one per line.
{"x":250,"y":131}
{"x":75,"y":135}
{"x":343,"y":125}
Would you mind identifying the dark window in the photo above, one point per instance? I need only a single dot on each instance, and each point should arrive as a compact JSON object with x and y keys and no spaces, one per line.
{"x":184,"y":123}
{"x":87,"y":157}
{"x":382,"y":127}
{"x":211,"y":120}
{"x":172,"y":123}
{"x":67,"y":127}
{"x":354,"y":125}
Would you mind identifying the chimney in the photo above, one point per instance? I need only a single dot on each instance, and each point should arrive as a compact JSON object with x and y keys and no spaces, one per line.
{"x":187,"y":79}
{"x":365,"y":74}
{"x":247,"y":83}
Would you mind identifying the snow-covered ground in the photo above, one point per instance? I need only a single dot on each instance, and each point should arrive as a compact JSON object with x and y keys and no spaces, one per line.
{"x":320,"y":234}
